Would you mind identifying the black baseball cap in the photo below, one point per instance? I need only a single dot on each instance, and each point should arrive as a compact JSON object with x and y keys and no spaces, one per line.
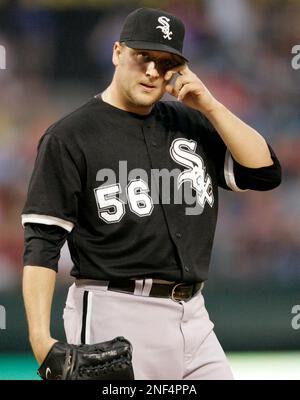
{"x":153,"y":29}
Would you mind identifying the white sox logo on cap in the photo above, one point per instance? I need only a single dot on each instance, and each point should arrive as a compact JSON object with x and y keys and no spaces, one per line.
{"x":165,"y":27}
{"x":153,"y":29}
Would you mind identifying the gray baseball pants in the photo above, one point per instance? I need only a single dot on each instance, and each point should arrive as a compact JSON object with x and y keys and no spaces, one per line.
{"x":171,"y":340}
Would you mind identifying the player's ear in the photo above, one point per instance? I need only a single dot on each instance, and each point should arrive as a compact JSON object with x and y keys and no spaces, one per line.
{"x":117,"y":50}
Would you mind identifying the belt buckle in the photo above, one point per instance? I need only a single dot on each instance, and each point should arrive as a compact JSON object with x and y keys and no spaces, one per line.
{"x":173,"y":292}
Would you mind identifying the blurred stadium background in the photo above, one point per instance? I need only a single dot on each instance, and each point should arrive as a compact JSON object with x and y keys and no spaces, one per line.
{"x":59,"y":55}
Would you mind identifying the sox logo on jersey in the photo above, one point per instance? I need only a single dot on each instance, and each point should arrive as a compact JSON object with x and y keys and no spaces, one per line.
{"x":165,"y":27}
{"x":183,"y":152}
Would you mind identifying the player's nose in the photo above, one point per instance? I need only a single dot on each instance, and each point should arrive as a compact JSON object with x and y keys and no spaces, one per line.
{"x":152,"y":71}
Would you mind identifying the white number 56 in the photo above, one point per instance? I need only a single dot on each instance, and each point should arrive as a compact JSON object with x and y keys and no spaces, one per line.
{"x":111,"y":209}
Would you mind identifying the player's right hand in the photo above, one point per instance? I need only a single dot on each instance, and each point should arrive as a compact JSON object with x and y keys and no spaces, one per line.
{"x":169,"y":74}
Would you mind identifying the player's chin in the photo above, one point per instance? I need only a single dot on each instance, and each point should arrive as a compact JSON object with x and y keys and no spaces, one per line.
{"x":147,"y":99}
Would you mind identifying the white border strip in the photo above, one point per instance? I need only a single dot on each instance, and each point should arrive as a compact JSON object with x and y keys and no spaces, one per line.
{"x":147,"y":287}
{"x":138,"y":289}
{"x":47,"y":220}
{"x":88,"y":318}
{"x":229,"y":173}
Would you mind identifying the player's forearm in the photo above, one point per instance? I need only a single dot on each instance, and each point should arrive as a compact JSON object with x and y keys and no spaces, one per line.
{"x":38,"y":288}
{"x":245,"y":144}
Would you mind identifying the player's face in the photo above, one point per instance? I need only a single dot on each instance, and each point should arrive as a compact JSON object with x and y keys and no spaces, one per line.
{"x":140,"y":75}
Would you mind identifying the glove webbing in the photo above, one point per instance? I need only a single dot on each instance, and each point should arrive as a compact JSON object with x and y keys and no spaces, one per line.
{"x":68,"y":368}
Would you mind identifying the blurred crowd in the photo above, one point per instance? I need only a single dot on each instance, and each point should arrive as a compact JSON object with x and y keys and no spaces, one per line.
{"x":58,"y":58}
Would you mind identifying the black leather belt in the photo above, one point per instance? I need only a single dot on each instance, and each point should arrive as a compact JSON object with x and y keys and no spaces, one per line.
{"x":176,"y":291}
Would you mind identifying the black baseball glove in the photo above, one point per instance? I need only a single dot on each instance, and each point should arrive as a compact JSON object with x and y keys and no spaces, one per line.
{"x":109,"y":360}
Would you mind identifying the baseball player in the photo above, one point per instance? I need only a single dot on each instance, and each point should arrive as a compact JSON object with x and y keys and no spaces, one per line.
{"x":131,"y":182}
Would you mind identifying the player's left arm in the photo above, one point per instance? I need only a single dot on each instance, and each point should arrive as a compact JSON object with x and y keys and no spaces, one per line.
{"x":245,"y":144}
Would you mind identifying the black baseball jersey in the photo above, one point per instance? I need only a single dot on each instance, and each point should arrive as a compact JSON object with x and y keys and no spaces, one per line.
{"x":135,"y":196}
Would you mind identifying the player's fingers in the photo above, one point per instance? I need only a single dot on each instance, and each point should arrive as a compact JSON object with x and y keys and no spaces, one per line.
{"x":180,"y":82}
{"x":169,"y":75}
{"x":170,"y":89}
{"x":185,"y":90}
{"x":178,"y":85}
{"x":183,"y":69}
{"x":176,"y":70}
{"x":175,"y":88}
